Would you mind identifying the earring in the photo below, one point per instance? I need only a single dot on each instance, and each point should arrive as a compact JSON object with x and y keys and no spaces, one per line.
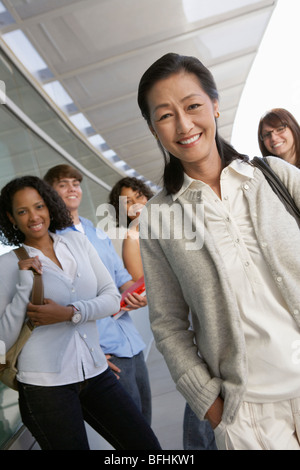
{"x":15,"y":227}
{"x":217,"y":115}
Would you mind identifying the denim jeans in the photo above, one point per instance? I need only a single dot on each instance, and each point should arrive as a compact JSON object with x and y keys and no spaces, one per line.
{"x":135,"y":379}
{"x":197,"y":434}
{"x":55,"y":415}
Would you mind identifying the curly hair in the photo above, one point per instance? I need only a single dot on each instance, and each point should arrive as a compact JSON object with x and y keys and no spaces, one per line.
{"x":60,"y":217}
{"x":128,"y":182}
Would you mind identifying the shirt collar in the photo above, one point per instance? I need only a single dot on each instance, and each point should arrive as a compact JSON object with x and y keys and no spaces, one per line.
{"x":237,"y":165}
{"x":56,"y":239}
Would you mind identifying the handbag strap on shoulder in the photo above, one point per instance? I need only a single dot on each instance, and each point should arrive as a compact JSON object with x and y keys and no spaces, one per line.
{"x":21,"y":253}
{"x":37,"y":294}
{"x":277,"y":186}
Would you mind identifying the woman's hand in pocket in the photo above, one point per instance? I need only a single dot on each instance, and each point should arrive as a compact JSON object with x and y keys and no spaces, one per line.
{"x":214,"y":414}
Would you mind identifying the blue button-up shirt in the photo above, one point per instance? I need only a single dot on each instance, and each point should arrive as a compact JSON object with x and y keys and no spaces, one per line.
{"x":118,"y":337}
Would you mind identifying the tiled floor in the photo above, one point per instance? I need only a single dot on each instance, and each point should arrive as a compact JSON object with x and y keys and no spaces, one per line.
{"x":167,"y":403}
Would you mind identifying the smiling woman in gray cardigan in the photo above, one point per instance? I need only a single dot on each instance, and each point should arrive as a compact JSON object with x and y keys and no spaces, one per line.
{"x":218,"y":244}
{"x":63,"y":376}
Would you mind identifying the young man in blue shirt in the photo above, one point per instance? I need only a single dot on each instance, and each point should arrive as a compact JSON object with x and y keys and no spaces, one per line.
{"x":119,"y":339}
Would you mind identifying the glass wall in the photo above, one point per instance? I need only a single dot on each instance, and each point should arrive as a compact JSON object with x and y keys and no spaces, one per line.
{"x":25,"y":152}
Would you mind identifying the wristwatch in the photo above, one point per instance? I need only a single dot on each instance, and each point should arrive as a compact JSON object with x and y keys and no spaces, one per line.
{"x":76,"y":314}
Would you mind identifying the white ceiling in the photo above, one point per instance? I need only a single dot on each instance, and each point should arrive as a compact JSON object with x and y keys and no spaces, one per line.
{"x":98,"y":50}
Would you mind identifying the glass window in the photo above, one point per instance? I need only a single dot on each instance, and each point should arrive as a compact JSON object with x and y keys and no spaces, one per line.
{"x":23,"y":152}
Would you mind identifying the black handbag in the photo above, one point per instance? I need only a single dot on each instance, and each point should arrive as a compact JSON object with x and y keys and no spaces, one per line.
{"x":278,"y":187}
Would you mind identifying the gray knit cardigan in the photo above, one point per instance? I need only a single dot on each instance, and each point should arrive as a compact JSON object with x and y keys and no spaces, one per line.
{"x":179,"y":280}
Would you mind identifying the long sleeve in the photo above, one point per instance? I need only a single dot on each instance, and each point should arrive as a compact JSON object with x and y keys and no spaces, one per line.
{"x":15,"y":291}
{"x":169,"y":316}
{"x":289,"y":175}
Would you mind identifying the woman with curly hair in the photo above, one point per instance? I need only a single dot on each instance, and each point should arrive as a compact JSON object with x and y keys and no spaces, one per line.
{"x":63,"y":376}
{"x":128,"y":197}
{"x":60,"y":217}
{"x":119,"y":189}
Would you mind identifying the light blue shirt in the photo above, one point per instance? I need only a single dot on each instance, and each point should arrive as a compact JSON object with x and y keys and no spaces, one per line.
{"x":117,"y":337}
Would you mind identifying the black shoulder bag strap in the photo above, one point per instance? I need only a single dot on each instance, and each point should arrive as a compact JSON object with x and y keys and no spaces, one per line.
{"x":277,"y":186}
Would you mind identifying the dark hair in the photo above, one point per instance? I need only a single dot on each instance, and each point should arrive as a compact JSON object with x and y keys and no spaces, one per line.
{"x":171,"y":64}
{"x":60,"y":217}
{"x":128,"y":182}
{"x":62,"y":171}
{"x":276,"y":118}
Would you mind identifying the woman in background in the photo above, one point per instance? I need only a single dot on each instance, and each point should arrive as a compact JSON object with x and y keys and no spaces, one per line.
{"x":279,"y":135}
{"x":128,"y":197}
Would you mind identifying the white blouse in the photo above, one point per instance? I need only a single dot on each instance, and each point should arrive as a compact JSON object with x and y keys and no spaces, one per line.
{"x":76,"y":364}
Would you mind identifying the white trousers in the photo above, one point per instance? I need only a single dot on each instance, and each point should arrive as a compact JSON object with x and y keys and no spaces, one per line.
{"x":262,"y":426}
